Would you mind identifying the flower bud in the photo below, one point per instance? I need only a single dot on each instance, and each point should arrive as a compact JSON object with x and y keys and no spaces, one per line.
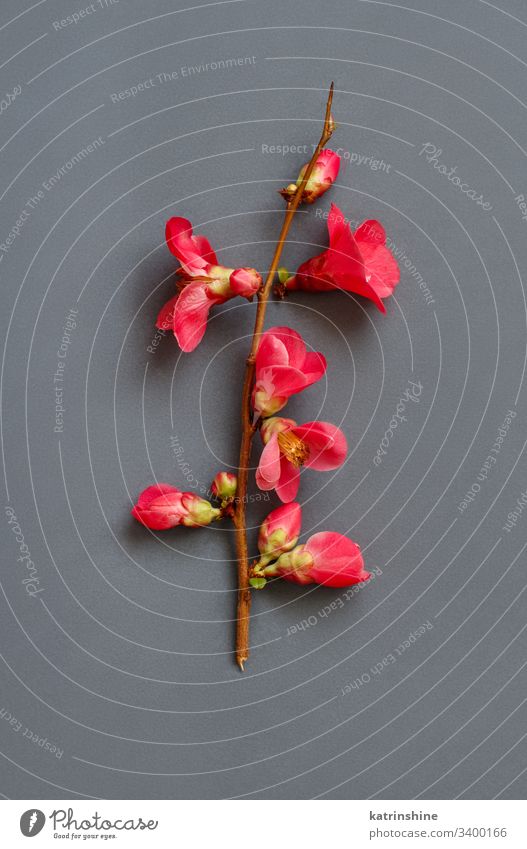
{"x":283,"y":368}
{"x":283,"y":275}
{"x":245,"y":282}
{"x":327,"y":558}
{"x":162,"y":506}
{"x":224,"y":486}
{"x":279,"y":532}
{"x":159,"y":507}
{"x":322,"y":177}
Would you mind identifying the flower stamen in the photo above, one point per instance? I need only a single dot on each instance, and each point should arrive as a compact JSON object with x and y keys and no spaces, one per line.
{"x":293,"y":448}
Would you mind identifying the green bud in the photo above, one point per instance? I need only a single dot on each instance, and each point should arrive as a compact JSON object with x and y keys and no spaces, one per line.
{"x":224,"y":486}
{"x":283,"y":274}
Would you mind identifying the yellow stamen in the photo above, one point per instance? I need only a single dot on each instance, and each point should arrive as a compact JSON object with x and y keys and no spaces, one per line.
{"x":296,"y":451}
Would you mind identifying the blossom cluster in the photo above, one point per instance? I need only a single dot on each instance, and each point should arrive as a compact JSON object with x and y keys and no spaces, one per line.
{"x":357,"y":262}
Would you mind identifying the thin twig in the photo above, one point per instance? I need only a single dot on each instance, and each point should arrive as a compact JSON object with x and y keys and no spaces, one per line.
{"x":248,"y":429}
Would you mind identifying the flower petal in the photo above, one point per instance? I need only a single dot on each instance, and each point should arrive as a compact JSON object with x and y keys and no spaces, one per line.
{"x":157,"y":517}
{"x":344,"y":253}
{"x":381,"y":268}
{"x":329,"y":162}
{"x":327,"y":445}
{"x":371,"y":231}
{"x":268,"y":471}
{"x":287,"y":487}
{"x":315,"y":366}
{"x":193,"y":252}
{"x":205,"y":250}
{"x":337,"y":560}
{"x":190,"y":315}
{"x":283,"y":381}
{"x":165,"y":318}
{"x":271,"y":351}
{"x":292,"y":342}
{"x":348,"y":255}
{"x":155,"y":491}
{"x":342,"y":266}
{"x":160,"y":507}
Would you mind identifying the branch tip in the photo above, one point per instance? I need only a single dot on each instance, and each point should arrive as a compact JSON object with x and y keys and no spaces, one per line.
{"x":328,"y":104}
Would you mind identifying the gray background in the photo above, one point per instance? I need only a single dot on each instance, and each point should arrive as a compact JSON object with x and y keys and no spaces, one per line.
{"x":124,"y":659}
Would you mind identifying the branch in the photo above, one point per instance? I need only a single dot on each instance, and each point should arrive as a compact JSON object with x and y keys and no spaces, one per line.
{"x":248,"y":428}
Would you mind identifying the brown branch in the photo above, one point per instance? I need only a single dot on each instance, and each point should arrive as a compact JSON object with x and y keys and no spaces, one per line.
{"x":248,"y":428}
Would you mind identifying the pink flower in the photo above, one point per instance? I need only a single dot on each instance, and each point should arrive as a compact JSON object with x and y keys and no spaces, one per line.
{"x":283,"y":368}
{"x":162,"y":506}
{"x":203,"y":284}
{"x":279,"y":532}
{"x":322,"y":177}
{"x":326,"y":558}
{"x":288,"y":446}
{"x":359,"y":262}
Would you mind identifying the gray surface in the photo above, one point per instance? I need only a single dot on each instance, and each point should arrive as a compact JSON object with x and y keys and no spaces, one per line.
{"x":123,"y":660}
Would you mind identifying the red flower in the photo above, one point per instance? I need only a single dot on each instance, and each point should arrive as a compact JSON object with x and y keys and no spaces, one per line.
{"x":162,"y":506}
{"x":203,"y":284}
{"x":283,"y":368}
{"x":359,"y":262}
{"x":327,"y":558}
{"x":288,"y":446}
{"x":322,"y":177}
